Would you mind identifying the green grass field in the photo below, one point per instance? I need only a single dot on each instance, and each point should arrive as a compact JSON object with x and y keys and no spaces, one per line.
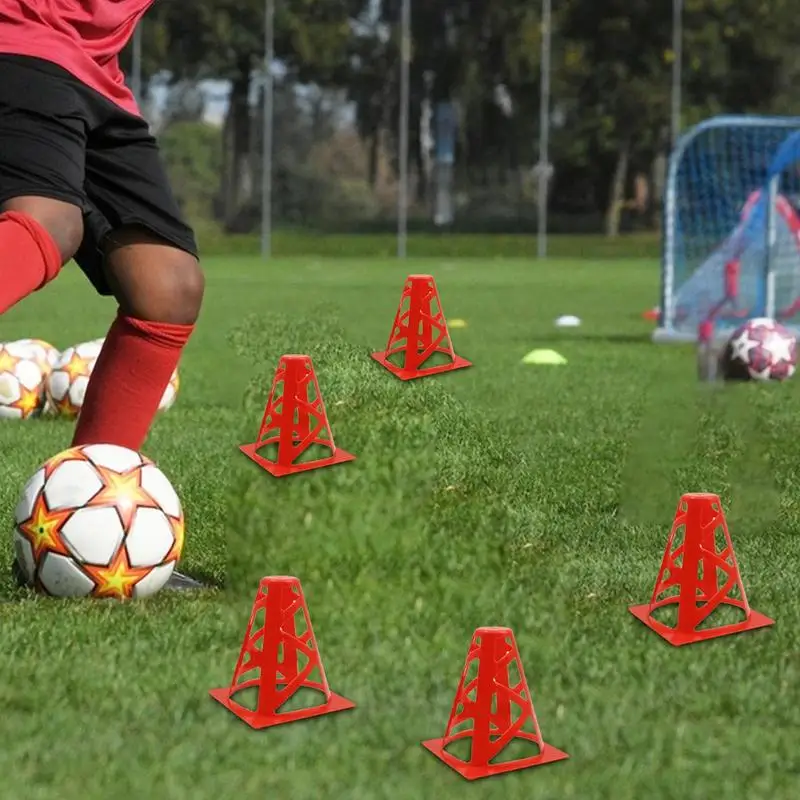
{"x":538,"y":498}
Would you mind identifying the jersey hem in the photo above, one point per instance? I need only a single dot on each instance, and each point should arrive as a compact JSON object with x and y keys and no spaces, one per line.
{"x":94,"y":77}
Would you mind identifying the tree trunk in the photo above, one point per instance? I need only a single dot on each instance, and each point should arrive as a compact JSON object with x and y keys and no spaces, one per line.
{"x":422,"y":175}
{"x":237,"y":177}
{"x":372,"y":158}
{"x":659,"y":181}
{"x":616,"y":198}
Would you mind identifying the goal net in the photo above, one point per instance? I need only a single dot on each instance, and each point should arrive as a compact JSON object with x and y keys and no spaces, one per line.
{"x":731,"y":246}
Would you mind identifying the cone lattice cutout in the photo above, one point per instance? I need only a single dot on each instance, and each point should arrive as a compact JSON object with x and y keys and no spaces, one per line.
{"x":492,"y":709}
{"x":419,"y":333}
{"x":294,"y":420}
{"x":279,"y":657}
{"x":698,"y":575}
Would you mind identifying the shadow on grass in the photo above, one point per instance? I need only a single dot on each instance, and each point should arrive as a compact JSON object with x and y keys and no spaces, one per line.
{"x":14,"y":594}
{"x":556,"y":337}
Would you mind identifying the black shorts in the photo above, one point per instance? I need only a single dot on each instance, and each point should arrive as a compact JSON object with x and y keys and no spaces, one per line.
{"x":63,"y":140}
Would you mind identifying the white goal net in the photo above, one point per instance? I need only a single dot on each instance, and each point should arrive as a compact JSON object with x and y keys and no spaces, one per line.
{"x":731,"y":227}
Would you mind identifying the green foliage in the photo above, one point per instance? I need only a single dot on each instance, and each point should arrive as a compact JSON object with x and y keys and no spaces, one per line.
{"x":302,"y":242}
{"x":192,"y":153}
{"x":221,"y":37}
{"x":611,"y":75}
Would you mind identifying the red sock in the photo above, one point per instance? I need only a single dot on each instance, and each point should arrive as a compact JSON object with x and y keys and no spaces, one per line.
{"x":128,"y":381}
{"x":29,"y":255}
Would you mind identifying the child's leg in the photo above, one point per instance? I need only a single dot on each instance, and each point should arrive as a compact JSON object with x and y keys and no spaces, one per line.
{"x":159,"y":288}
{"x":29,"y":256}
{"x":139,"y":248}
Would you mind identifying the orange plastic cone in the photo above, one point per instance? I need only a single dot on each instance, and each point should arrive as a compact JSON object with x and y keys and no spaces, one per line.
{"x":279,"y":657}
{"x":295,"y":420}
{"x":692,"y":564}
{"x":496,"y":707}
{"x":419,"y":332}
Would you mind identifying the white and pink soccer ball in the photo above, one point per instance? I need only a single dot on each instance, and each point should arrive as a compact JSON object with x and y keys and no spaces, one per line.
{"x":762,"y":350}
{"x":98,"y":521}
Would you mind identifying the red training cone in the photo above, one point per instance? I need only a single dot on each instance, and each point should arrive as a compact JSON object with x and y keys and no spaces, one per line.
{"x":295,"y":420}
{"x":496,"y":706}
{"x":282,"y":653}
{"x":419,"y":332}
{"x":652,"y":314}
{"x":692,"y":563}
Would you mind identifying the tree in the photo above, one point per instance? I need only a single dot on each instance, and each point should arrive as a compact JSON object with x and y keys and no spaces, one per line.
{"x":225,"y":39}
{"x":618,"y":63}
{"x":611,"y":80}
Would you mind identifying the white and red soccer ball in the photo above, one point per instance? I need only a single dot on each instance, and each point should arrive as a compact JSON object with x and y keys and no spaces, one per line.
{"x":171,"y":392}
{"x":98,"y":521}
{"x":22,"y":381}
{"x":42,"y":352}
{"x":66,"y":384}
{"x":762,"y":350}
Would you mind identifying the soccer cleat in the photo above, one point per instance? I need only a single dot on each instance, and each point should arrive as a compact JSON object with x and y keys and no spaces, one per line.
{"x":180,"y":582}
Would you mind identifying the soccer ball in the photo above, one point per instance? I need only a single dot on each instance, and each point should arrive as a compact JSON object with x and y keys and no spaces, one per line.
{"x":761,"y":349}
{"x":21,"y":383}
{"x":42,"y":352}
{"x":65,"y":386}
{"x":100,"y":521}
{"x":171,"y":392}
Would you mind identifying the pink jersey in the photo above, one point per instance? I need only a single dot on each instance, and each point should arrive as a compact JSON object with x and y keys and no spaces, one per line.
{"x":83,"y":37}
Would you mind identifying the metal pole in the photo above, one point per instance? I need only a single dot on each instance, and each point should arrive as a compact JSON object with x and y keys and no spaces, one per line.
{"x":267,"y":133}
{"x":136,"y":65}
{"x":544,"y":130}
{"x":677,"y":70}
{"x":772,"y":239}
{"x":403,"y":132}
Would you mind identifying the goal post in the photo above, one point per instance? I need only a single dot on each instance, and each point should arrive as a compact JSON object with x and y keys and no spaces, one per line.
{"x":731,"y":244}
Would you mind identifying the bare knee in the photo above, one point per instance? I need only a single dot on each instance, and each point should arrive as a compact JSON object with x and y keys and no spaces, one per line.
{"x":153,"y":280}
{"x":185,"y":285}
{"x":63,"y":221}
